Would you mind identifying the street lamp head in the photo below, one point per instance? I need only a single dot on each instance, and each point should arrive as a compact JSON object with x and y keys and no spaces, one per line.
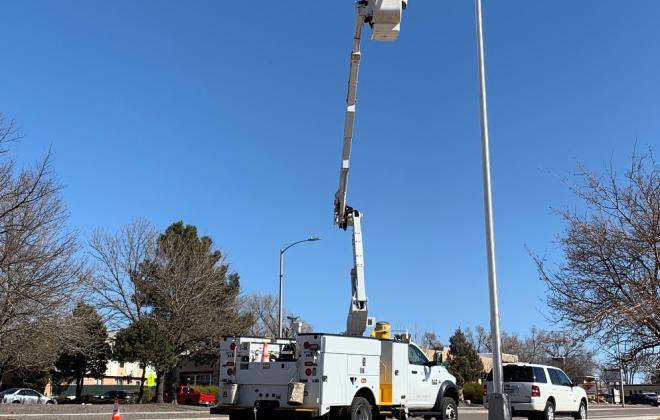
{"x":280,"y":304}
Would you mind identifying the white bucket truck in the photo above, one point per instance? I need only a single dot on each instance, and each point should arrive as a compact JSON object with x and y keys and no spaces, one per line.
{"x":338,"y":376}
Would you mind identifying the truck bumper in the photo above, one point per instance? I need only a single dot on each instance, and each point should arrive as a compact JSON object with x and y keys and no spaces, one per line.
{"x":530,"y":407}
{"x":274,"y":413}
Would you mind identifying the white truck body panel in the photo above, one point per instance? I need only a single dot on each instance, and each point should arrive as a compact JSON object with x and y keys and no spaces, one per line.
{"x":360,"y":370}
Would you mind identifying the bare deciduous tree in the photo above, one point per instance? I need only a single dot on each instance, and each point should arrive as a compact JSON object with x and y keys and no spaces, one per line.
{"x":430,"y":341}
{"x":546,"y":347}
{"x":38,"y":273}
{"x":264,"y":310}
{"x":116,"y":262}
{"x":608,"y":286}
{"x":569,"y":353}
{"x":533,"y":347}
{"x":479,"y":338}
{"x":113,"y":282}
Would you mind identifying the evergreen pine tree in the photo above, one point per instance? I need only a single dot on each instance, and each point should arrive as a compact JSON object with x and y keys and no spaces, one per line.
{"x":89,"y":351}
{"x":192,"y":297}
{"x":464,"y":361}
{"x":142,"y":342}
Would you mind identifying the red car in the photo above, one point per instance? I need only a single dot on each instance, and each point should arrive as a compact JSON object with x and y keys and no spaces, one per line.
{"x":188,"y":396}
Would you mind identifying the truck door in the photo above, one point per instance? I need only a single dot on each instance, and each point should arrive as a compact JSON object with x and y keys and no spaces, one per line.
{"x":419,"y":379}
{"x":562,"y":388}
{"x":572,"y":401}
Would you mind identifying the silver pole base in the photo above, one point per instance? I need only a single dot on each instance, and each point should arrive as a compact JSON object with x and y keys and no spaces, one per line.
{"x":499,"y":407}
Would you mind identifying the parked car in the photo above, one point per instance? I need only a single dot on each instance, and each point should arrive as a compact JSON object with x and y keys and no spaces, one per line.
{"x":188,"y":396}
{"x":539,"y":391}
{"x":117,"y":394}
{"x":24,"y":396}
{"x":649,"y":398}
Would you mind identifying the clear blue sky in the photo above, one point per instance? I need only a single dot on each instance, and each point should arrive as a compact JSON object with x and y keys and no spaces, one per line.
{"x":229,"y":115}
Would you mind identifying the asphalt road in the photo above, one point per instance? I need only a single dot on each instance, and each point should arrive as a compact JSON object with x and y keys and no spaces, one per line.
{"x":103,"y":412}
{"x":595,"y":412}
{"x":167,"y":411}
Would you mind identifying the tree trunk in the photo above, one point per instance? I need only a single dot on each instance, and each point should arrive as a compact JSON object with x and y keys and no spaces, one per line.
{"x":160,"y":386}
{"x":172,"y":380}
{"x":79,"y":387}
{"x":144,"y":374}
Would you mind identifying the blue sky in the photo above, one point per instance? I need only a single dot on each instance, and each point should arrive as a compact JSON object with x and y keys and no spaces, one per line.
{"x":229,"y":116}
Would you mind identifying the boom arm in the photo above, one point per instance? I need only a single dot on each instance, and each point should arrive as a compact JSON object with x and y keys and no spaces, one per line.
{"x":341,"y":213}
{"x":384,"y":16}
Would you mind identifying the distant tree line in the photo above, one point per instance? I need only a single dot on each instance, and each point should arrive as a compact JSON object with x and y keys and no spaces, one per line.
{"x":557,"y":348}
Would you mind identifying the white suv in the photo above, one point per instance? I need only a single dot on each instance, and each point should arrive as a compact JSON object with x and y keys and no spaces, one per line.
{"x":539,"y":391}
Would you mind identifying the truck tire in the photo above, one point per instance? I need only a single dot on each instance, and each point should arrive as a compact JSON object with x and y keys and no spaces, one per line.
{"x":549,"y":412}
{"x":448,"y":409}
{"x":360,"y":409}
{"x":247,"y":415}
{"x":582,"y":412}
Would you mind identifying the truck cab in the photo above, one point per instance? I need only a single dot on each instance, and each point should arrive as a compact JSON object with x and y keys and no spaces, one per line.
{"x":424,"y":379}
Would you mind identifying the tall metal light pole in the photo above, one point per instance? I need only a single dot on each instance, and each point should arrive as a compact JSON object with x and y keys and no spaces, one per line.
{"x":280,"y":304}
{"x":618,"y":354}
{"x":498,"y":406}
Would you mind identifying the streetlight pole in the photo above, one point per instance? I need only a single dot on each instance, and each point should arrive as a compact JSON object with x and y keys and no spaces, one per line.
{"x":280,"y":305}
{"x":618,"y":353}
{"x":498,"y":404}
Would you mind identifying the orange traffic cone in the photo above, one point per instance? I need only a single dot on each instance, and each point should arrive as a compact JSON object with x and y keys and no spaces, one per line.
{"x":116,"y":414}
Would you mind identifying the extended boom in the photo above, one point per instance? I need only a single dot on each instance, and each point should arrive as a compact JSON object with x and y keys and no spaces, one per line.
{"x":384,"y":17}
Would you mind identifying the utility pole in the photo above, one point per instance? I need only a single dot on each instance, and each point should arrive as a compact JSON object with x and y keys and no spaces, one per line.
{"x":498,"y":402}
{"x":618,"y":352}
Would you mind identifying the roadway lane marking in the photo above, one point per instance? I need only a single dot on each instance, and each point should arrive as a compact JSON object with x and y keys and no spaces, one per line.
{"x":123,"y":413}
{"x":627,"y":417}
{"x":618,"y":407}
{"x":196,"y":418}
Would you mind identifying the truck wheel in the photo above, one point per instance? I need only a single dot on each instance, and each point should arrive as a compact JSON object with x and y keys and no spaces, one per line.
{"x":448,"y":409}
{"x":360,"y":409}
{"x":582,"y":412}
{"x":247,"y":415}
{"x":549,"y":412}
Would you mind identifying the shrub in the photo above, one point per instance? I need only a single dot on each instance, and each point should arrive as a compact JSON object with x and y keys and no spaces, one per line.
{"x":207,"y":389}
{"x":474,"y":392}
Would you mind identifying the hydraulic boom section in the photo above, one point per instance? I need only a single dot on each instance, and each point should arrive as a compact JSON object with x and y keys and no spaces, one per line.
{"x":384,"y":17}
